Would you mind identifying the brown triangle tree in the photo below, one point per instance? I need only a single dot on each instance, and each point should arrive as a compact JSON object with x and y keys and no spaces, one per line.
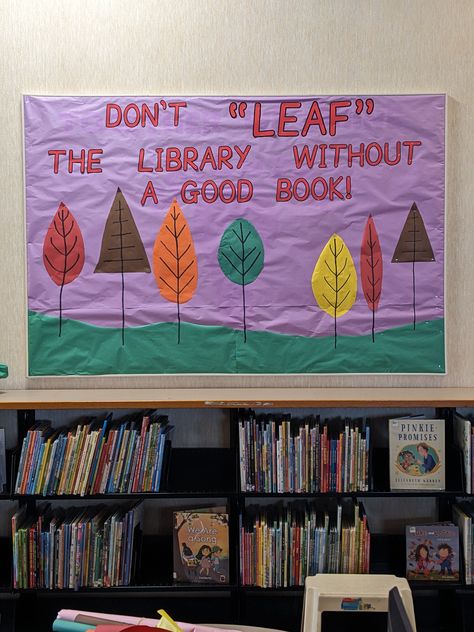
{"x":122,"y":248}
{"x":413,"y":246}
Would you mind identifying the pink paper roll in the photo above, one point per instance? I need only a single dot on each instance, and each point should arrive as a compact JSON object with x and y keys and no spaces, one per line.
{"x":99,"y":618}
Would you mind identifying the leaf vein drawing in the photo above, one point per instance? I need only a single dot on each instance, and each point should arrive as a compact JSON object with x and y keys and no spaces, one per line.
{"x":335,"y":294}
{"x":52,"y":265}
{"x":167,"y":284}
{"x":185,"y":270}
{"x":187,"y":283}
{"x":330,"y":285}
{"x":345,"y":282}
{"x":232,"y":264}
{"x":174,"y":261}
{"x":247,"y":270}
{"x":233,"y":253}
{"x":173,"y":272}
{"x":57,"y":254}
{"x":329,"y":268}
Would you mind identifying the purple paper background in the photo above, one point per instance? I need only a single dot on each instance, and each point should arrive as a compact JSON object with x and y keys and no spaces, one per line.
{"x":293,"y":233}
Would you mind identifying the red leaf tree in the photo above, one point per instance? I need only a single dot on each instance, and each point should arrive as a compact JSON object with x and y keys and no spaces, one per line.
{"x":63,"y":252}
{"x":371,"y":268}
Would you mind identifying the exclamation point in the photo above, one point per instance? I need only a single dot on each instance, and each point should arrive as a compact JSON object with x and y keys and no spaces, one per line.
{"x":348,"y":188}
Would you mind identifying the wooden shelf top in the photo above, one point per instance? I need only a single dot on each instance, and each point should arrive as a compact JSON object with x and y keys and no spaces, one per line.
{"x":237,"y":398}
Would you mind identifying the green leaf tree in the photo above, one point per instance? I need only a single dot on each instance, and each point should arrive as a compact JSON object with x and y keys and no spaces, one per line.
{"x":241,"y":257}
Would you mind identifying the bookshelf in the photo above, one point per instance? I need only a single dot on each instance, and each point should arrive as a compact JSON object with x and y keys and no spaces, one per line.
{"x":215,"y":478}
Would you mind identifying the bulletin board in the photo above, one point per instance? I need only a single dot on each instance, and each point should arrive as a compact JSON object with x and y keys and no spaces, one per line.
{"x":224,"y":235}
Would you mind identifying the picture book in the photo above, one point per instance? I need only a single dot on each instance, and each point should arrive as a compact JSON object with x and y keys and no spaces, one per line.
{"x":417,"y":453}
{"x":201,"y":546}
{"x":463,"y":439}
{"x":301,"y":455}
{"x":281,"y":545}
{"x":432,"y":552}
{"x":3,"y":461}
{"x":463,"y":513}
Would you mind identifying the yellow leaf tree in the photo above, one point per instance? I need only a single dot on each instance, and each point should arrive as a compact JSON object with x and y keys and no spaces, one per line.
{"x":334,"y":280}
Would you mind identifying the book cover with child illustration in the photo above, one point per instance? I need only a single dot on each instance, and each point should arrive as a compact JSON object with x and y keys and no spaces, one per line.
{"x":417,"y":453}
{"x":201,"y":546}
{"x":432,"y":552}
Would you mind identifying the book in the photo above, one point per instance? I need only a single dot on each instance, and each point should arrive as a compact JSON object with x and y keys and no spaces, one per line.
{"x":432,"y":552}
{"x":280,"y":545}
{"x":281,"y":454}
{"x":94,"y":457}
{"x":417,"y":453}
{"x":55,"y":548}
{"x":3,"y":461}
{"x":201,"y":546}
{"x":462,"y":438}
{"x":462,"y":516}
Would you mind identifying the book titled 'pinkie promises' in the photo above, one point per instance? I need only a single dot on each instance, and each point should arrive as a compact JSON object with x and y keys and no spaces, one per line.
{"x":417,"y":454}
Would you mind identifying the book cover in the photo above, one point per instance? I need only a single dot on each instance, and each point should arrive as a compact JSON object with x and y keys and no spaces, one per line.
{"x":432,"y":552}
{"x":201,"y":546}
{"x":462,"y":517}
{"x":417,"y":453}
{"x":462,"y":440}
{"x":3,"y":461}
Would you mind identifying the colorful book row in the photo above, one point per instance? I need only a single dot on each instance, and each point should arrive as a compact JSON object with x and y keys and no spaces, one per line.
{"x":281,"y":546}
{"x":94,"y":457}
{"x":75,"y":547}
{"x":303,"y":455}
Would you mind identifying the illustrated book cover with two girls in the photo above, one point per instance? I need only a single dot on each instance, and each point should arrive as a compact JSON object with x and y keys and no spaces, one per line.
{"x":433,"y":552}
{"x":201,"y":546}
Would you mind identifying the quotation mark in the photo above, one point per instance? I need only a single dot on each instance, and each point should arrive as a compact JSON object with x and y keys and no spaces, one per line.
{"x":369,"y":103}
{"x":237,"y":109}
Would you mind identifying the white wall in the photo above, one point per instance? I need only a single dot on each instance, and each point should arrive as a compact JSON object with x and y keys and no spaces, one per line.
{"x":239,"y":47}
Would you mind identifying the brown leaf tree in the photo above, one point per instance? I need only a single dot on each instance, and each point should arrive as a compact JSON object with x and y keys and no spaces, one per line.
{"x":122,"y":248}
{"x":413,"y":246}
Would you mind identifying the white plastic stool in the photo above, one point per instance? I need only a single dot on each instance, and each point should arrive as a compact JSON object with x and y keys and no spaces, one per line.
{"x":353,"y":593}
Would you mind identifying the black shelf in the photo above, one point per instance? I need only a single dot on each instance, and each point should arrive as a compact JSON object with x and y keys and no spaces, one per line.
{"x":213,"y":473}
{"x":290,"y":591}
{"x":372,"y":494}
{"x":145,"y":588}
{"x":132,"y":496}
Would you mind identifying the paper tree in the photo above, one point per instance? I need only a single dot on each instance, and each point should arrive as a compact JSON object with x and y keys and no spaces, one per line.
{"x":334,"y":280}
{"x":371,"y":269}
{"x":241,"y":257}
{"x":122,"y":249}
{"x":413,"y":246}
{"x":63,"y":252}
{"x":174,"y":260}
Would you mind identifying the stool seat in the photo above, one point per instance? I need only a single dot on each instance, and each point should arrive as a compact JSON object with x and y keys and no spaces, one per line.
{"x":351,"y":593}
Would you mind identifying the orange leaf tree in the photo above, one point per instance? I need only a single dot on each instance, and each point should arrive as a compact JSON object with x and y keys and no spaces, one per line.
{"x":174,"y":260}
